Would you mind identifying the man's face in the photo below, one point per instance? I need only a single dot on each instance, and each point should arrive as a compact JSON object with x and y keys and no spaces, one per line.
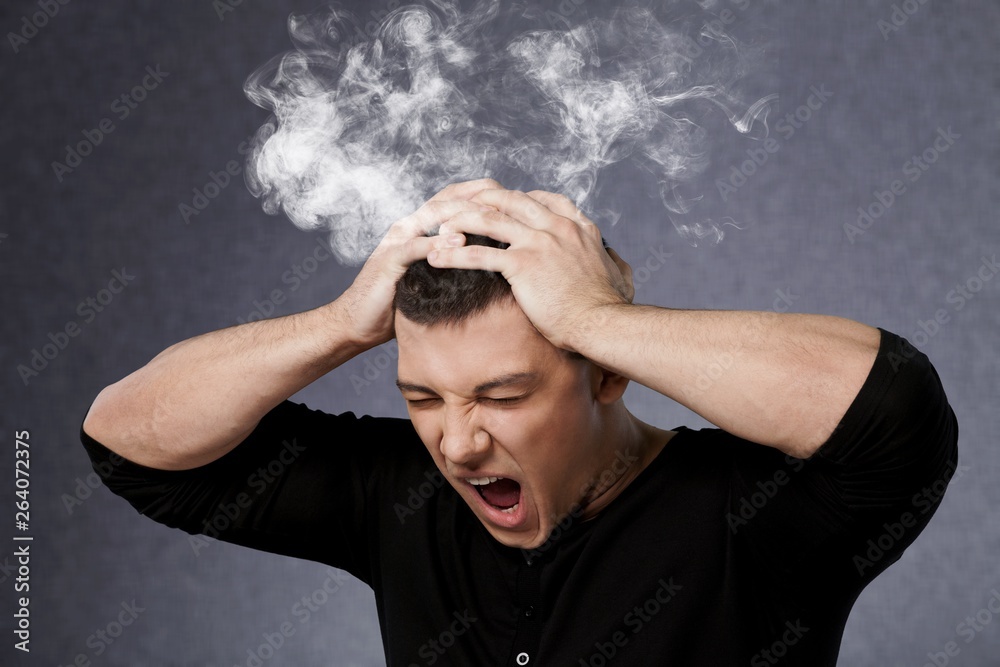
{"x":491,"y":397}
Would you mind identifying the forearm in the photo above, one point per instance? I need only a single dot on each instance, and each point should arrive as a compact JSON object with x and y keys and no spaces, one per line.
{"x":198,"y":399}
{"x":783,"y":380}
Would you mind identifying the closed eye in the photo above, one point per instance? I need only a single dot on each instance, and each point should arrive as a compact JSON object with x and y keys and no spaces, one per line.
{"x":428,"y":402}
{"x":502,"y":401}
{"x":421,"y":402}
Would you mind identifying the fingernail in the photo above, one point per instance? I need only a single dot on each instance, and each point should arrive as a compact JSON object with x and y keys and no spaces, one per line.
{"x":432,"y":255}
{"x":454,"y":239}
{"x":487,"y":208}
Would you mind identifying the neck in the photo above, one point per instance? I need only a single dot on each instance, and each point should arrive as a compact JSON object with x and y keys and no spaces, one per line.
{"x":636,"y":445}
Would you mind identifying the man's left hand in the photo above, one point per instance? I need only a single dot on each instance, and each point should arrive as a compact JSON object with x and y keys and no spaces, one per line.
{"x":558,"y":269}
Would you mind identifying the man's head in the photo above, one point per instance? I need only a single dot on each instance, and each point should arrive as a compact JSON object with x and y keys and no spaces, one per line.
{"x":491,"y":397}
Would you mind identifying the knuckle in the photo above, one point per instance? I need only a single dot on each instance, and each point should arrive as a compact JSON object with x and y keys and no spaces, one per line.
{"x":409,"y":246}
{"x":477,"y":185}
{"x":563,"y":225}
{"x":546,"y":241}
{"x":436,"y":210}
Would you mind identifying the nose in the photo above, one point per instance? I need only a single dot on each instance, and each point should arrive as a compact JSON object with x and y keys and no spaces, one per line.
{"x":463,"y":441}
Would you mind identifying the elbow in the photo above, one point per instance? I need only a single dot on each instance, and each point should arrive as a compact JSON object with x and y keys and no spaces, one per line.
{"x":98,"y":424}
{"x":114,"y":421}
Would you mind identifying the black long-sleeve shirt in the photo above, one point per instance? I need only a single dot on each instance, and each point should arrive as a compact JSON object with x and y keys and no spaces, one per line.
{"x":721,"y":552}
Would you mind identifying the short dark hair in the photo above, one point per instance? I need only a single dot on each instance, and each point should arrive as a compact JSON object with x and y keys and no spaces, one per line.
{"x":428,"y":295}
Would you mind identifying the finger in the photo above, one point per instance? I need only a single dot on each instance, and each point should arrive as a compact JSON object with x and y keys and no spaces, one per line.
{"x":419,"y":247}
{"x":479,"y":257}
{"x":467,"y":189}
{"x":560,"y":205}
{"x":430,"y":216}
{"x":563,"y":206}
{"x":626,"y":270}
{"x":490,"y":223}
{"x":518,"y":205}
{"x":414,"y":250}
{"x":622,"y":265}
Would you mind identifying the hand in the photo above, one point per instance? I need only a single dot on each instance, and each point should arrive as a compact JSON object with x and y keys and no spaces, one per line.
{"x":367,"y":303}
{"x":556,"y":264}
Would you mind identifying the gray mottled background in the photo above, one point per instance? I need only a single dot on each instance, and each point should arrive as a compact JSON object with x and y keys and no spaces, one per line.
{"x":118,"y":210}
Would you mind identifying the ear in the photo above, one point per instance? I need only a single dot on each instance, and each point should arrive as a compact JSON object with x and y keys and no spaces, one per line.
{"x":607,"y":386}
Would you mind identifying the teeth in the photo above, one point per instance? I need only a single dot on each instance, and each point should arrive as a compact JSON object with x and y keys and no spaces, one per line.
{"x":480,"y":481}
{"x":510,"y":510}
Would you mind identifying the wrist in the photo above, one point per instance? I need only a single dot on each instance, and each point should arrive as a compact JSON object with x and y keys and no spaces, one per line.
{"x":343,"y":339}
{"x":593,"y":325}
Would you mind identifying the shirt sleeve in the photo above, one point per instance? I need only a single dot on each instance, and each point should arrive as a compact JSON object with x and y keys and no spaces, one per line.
{"x":301,"y":484}
{"x":876,"y":481}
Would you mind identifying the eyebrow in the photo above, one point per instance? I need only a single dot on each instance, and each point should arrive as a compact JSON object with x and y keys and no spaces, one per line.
{"x":495,"y":383}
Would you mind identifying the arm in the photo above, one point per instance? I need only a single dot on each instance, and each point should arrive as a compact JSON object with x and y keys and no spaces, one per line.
{"x":779,"y":380}
{"x":198,"y":399}
{"x":793,"y":382}
{"x":783,"y":380}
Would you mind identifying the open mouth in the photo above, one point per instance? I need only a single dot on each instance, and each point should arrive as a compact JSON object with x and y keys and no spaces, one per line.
{"x":499,"y":493}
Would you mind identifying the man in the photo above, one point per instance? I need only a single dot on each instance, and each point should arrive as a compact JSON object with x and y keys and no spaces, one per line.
{"x":568,"y":532}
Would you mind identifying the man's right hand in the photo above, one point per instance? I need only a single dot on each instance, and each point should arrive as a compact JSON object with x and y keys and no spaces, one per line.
{"x":201,"y":397}
{"x":367,"y":303}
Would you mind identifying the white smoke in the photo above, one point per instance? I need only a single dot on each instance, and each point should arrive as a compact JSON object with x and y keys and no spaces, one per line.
{"x":365,"y":130}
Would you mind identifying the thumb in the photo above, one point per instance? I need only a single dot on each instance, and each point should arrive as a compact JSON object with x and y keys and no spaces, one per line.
{"x":628,"y":289}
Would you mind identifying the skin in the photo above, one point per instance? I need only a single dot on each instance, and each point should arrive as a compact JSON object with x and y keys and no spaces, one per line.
{"x":198,"y":399}
{"x":787,"y":383}
{"x":785,"y":380}
{"x":526,"y":411}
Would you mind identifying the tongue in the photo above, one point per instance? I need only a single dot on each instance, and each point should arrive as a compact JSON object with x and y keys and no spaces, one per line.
{"x":503,"y":493}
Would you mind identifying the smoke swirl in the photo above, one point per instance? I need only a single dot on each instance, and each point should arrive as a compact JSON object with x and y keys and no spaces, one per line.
{"x":364,"y":130}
